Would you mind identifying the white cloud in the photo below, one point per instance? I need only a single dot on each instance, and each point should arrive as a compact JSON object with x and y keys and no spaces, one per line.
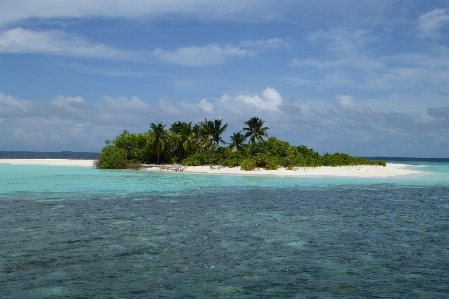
{"x":123,"y":105}
{"x":110,"y":110}
{"x":69,"y":122}
{"x":346,"y":102}
{"x":56,"y":42}
{"x":346,"y":12}
{"x":72,"y":123}
{"x":302,"y":105}
{"x":430,"y":22}
{"x":185,"y":109}
{"x":19,"y":40}
{"x":170,"y":108}
{"x":17,"y":10}
{"x":202,"y":56}
{"x":11,"y":107}
{"x":67,"y":102}
{"x":206,"y":105}
{"x":121,"y":110}
{"x":349,"y":62}
{"x":269,"y":101}
{"x":202,"y":106}
{"x":29,"y":137}
{"x":300,"y":112}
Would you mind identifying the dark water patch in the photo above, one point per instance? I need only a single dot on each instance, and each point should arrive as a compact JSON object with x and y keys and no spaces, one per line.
{"x":410,"y":159}
{"x":333,"y":242}
{"x":49,"y":155}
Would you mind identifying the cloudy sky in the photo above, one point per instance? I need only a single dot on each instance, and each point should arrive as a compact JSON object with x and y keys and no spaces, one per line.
{"x":369,"y":78}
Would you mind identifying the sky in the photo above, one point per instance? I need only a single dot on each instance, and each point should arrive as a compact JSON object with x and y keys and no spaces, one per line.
{"x":368,"y":78}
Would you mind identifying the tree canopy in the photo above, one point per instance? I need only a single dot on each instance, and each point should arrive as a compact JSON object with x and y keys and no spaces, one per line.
{"x":159,"y":138}
{"x":255,"y":130}
{"x":199,"y":144}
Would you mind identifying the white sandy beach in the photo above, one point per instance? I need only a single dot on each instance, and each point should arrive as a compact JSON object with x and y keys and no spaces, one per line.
{"x":363,"y":171}
{"x":50,"y":162}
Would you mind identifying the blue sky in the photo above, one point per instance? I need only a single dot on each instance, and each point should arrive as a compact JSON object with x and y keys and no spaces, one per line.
{"x":369,"y":78}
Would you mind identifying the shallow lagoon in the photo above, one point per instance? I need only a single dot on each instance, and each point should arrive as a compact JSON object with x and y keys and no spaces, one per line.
{"x":74,"y":232}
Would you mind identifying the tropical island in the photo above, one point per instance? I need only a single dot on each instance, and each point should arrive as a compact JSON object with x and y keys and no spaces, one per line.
{"x":200,"y":144}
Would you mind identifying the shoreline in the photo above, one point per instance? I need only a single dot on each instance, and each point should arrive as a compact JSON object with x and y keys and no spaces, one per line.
{"x":49,"y":162}
{"x":357,"y":171}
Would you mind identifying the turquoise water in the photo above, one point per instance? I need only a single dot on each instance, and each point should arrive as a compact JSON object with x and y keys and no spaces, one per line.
{"x":75,"y":232}
{"x":57,"y":179}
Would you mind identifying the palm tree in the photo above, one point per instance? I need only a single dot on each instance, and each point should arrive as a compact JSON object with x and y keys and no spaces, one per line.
{"x":255,"y":129}
{"x":159,"y":135}
{"x":187,"y":135}
{"x":204,"y":130}
{"x":217,"y":130}
{"x":180,"y":126}
{"x":237,"y":140}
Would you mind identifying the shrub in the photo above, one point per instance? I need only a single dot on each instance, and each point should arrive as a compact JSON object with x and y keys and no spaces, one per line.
{"x":247,"y":164}
{"x":260,"y":161}
{"x":379,"y":162}
{"x":232,"y":162}
{"x":272,"y":164}
{"x":192,"y":160}
{"x":112,"y":158}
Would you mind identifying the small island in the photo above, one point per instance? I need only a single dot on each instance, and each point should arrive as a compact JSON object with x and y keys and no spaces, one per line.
{"x":184,"y":144}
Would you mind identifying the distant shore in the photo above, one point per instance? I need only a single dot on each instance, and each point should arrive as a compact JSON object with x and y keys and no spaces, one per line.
{"x":362,"y":171}
{"x":49,"y":162}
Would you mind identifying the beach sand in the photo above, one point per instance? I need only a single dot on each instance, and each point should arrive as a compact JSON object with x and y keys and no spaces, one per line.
{"x":362,"y":171}
{"x":50,"y":162}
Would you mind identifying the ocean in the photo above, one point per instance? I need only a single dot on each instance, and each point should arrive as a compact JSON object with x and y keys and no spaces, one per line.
{"x":80,"y":232}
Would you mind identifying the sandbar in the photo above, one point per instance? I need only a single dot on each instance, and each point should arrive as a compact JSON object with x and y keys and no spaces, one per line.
{"x":359,"y":171}
{"x":49,"y":162}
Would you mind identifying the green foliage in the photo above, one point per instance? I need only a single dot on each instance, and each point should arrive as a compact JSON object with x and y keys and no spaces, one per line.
{"x":259,"y":161}
{"x":247,"y":164}
{"x":279,"y":153}
{"x":132,"y":144}
{"x":231,"y":162}
{"x":272,"y":147}
{"x":266,"y":162}
{"x":199,"y":145}
{"x":184,"y":140}
{"x":340,"y":159}
{"x":125,"y":149}
{"x":381,"y":163}
{"x":255,"y":130}
{"x":199,"y":158}
{"x":217,"y":130}
{"x":237,"y":141}
{"x":210,"y":132}
{"x":158,"y":139}
{"x":212,"y":156}
{"x":112,"y":157}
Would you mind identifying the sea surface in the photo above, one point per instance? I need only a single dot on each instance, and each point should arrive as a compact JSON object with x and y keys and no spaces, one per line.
{"x":80,"y":232}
